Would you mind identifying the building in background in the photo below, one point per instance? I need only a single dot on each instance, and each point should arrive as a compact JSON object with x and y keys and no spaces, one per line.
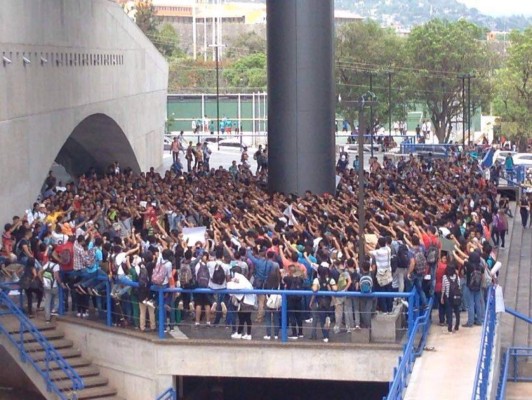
{"x":201,"y":24}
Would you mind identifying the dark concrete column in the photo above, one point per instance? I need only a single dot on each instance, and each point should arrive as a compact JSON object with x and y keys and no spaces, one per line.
{"x":301,"y":96}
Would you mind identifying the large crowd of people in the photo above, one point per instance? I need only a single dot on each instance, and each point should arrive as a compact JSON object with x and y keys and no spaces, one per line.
{"x":433,"y":225}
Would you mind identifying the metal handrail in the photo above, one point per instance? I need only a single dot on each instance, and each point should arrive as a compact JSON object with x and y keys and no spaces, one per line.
{"x":410,"y":352}
{"x":52,"y":355}
{"x":161,"y":291}
{"x":517,"y":314}
{"x":168,"y":394}
{"x":481,"y":382}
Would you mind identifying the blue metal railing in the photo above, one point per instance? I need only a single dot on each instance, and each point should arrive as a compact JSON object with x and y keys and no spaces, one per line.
{"x":411,"y":297}
{"x":512,"y":354}
{"x":411,"y":351}
{"x":168,"y":394}
{"x":420,"y":148}
{"x":487,"y":349}
{"x":511,"y":359}
{"x":51,"y":354}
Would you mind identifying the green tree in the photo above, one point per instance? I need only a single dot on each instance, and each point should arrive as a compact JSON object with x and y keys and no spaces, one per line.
{"x":167,"y":42}
{"x":513,"y":102}
{"x":192,"y":76}
{"x":247,"y":43}
{"x":437,"y":53}
{"x":145,"y":17}
{"x":364,"y":50}
{"x":248,"y":72}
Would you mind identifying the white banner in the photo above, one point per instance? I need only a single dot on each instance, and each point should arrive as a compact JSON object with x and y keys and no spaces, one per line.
{"x":194,"y":235}
{"x":499,"y":300}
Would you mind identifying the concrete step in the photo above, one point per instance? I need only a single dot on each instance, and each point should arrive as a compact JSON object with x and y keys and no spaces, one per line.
{"x":48,"y":334}
{"x":65,"y":353}
{"x":74,"y":363}
{"x":57,"y":343}
{"x":90,"y":382}
{"x":518,"y":391}
{"x":12,"y":324}
{"x":96,"y":393}
{"x":84,"y":372}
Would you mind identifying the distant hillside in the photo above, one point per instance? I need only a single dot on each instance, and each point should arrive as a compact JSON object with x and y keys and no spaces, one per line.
{"x":409,"y":13}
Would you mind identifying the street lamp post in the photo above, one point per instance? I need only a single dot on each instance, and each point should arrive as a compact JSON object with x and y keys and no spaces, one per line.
{"x":462,"y":77}
{"x":367,"y":99}
{"x":216,"y":47}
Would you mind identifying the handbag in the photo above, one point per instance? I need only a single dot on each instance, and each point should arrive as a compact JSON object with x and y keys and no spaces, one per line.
{"x":384,"y":277}
{"x":274,"y":301}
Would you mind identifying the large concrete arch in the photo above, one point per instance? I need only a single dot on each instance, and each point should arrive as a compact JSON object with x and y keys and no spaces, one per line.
{"x":81,"y":78}
{"x":97,"y":141}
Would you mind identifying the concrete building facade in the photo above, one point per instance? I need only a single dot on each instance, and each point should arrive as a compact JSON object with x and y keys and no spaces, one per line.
{"x":79,"y":83}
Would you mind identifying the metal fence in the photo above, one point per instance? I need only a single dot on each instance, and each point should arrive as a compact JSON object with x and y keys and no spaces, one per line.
{"x":111,"y":300}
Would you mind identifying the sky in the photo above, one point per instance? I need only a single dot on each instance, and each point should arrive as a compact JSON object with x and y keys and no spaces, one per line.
{"x":501,"y":7}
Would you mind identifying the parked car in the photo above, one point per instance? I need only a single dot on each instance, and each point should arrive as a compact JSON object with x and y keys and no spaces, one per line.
{"x":500,"y":155}
{"x":231,"y":145}
{"x":524,"y":159}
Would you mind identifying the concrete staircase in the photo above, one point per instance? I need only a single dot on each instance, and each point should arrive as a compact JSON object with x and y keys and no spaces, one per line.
{"x":96,"y":385}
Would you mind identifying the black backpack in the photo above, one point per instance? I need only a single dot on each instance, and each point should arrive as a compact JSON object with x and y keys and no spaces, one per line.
{"x":475,"y":280}
{"x":455,"y":294}
{"x":218,"y":276}
{"x":324,"y":302}
{"x":403,"y":258}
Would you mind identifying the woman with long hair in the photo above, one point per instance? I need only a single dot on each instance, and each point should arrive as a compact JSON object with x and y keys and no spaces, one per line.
{"x":451,"y":297}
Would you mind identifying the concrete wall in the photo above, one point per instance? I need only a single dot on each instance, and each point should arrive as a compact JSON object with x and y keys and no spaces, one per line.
{"x":139,"y":366}
{"x":86,"y":57}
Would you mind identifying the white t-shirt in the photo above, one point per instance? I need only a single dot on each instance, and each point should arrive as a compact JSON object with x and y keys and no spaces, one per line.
{"x":382,"y":257}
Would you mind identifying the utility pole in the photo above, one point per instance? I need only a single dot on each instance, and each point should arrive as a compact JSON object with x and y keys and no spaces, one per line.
{"x":469,"y":77}
{"x":389,"y":103}
{"x":194,"y":32}
{"x":371,"y":114}
{"x":215,"y":47}
{"x":462,"y":77}
{"x":367,"y":99}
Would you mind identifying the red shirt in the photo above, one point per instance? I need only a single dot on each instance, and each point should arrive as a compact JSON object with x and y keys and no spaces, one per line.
{"x":440,"y":271}
{"x":62,"y":250}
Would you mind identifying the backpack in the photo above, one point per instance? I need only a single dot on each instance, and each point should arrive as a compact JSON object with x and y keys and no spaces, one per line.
{"x":48,"y":275}
{"x":159,"y":273}
{"x":295,"y":283}
{"x":324,"y":302}
{"x":432,"y":254}
{"x":144,"y":279}
{"x":203,"y":276}
{"x":455,"y":295}
{"x":218,"y":276}
{"x":403,"y":258}
{"x":366,"y":284}
{"x":421,"y":262}
{"x":185,"y":276}
{"x":475,"y":281}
